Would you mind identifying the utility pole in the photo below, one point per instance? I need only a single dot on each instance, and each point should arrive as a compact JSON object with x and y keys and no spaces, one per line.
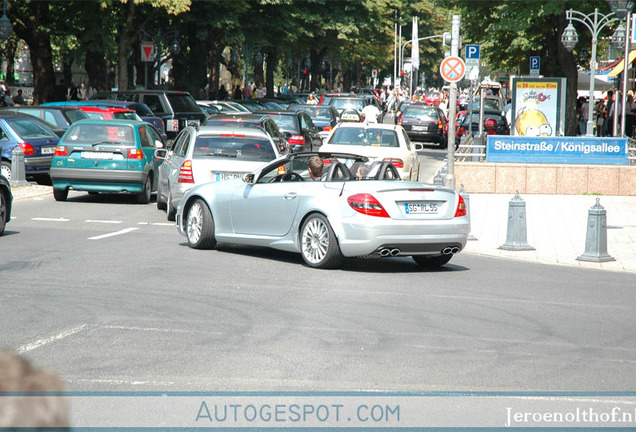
{"x":452,"y":109}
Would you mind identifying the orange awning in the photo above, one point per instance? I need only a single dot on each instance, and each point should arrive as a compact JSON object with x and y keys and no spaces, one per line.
{"x":618,"y":69}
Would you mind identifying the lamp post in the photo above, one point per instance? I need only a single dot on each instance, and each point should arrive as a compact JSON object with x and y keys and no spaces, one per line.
{"x":6,"y":29}
{"x":159,"y":40}
{"x":404,"y":46}
{"x":250,"y":50}
{"x":595,"y":22}
{"x":623,"y":10}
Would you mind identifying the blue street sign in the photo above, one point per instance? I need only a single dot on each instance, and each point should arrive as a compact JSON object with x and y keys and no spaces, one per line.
{"x":472,"y":52}
{"x":535,"y":63}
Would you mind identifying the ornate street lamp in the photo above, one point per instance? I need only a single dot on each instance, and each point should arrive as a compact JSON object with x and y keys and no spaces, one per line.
{"x":6,"y":29}
{"x":621,"y":8}
{"x":595,"y":22}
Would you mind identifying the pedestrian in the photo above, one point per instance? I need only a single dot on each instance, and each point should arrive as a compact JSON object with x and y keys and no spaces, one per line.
{"x":583,"y":115}
{"x":608,"y":127}
{"x":238,"y":94}
{"x":18,"y":99}
{"x":311,"y":99}
{"x":8,"y":100}
{"x":82,"y":92}
{"x":222,"y":93}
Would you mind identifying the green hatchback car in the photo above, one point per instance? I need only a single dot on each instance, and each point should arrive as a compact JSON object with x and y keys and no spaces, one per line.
{"x":107,"y":156}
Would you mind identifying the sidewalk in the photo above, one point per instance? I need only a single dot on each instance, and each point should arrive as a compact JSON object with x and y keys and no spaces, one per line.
{"x":556,"y":227}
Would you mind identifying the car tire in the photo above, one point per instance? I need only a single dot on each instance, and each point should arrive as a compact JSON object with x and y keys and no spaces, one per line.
{"x":5,"y":169}
{"x":60,"y":194}
{"x":144,"y":196}
{"x":430,"y":262}
{"x":161,"y":204}
{"x":4,"y":207}
{"x":318,"y":243}
{"x":171,"y":212}
{"x":199,"y":226}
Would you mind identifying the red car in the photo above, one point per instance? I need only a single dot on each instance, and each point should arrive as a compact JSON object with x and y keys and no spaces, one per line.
{"x":109,"y":113}
{"x":432,"y":98}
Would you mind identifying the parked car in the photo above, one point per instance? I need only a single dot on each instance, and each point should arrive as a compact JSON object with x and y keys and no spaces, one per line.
{"x":34,"y":137}
{"x":109,"y":113}
{"x":495,"y":123}
{"x":107,"y":156}
{"x":177,"y":109}
{"x":425,"y":123}
{"x":330,"y":219}
{"x":226,"y":107}
{"x":325,"y":117}
{"x":208,"y":108}
{"x":209,"y":154}
{"x":378,"y":142}
{"x":400,"y":109}
{"x":58,"y":118}
{"x":297,"y":128}
{"x":259,"y":104}
{"x":141,"y":109}
{"x":253,"y":121}
{"x":432,"y":98}
{"x":6,"y":202}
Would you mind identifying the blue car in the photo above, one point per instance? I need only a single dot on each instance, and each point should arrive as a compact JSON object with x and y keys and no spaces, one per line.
{"x":107,"y":156}
{"x":36,"y":140}
{"x":6,"y":200}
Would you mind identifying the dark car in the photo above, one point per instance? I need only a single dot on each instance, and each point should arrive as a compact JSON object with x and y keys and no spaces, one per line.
{"x":259,"y":104}
{"x":400,"y":110}
{"x":177,"y":109}
{"x":325,"y":117}
{"x":344,"y":103}
{"x":298,"y":128}
{"x":6,"y":200}
{"x":425,"y":123}
{"x":58,"y":118}
{"x":255,"y":121}
{"x":34,"y":137}
{"x":495,"y":123}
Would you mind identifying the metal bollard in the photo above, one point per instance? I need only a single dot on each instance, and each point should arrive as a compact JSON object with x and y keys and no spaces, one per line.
{"x":17,"y":167}
{"x":596,"y":237}
{"x":462,"y":192}
{"x":516,"y":237}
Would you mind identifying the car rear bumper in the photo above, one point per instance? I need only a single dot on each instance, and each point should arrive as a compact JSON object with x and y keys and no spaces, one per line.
{"x":37,"y":164}
{"x":98,"y":180}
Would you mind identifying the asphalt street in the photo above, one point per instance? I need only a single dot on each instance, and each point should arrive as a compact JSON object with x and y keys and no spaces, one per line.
{"x":107,"y":293}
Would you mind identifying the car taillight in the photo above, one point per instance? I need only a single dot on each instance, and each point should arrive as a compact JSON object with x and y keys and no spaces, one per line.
{"x":490,"y":123}
{"x":327,"y":128}
{"x":399,"y":121}
{"x":27,"y":149}
{"x":233,"y":135}
{"x":461,"y":207}
{"x":491,"y":132}
{"x":440,"y":125}
{"x":61,"y":151}
{"x":398,"y":163}
{"x":296,"y":140}
{"x":281,"y":170}
{"x":367,"y":205}
{"x":135,"y":153}
{"x":185,"y":172}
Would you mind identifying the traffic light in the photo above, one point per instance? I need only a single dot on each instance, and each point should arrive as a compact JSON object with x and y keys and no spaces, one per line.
{"x":446,"y":39}
{"x":304,"y":72}
{"x":402,"y":73}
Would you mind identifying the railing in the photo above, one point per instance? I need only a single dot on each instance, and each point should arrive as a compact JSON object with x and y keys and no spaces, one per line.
{"x":631,"y":156}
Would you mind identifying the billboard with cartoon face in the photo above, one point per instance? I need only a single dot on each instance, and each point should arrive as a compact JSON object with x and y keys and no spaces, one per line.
{"x":538,"y":107}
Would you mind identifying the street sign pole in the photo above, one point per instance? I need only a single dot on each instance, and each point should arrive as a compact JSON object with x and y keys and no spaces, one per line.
{"x":452,"y":109}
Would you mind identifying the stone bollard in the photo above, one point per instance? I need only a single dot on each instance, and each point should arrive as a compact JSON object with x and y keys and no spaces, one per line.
{"x":516,"y":237}
{"x":462,"y":192}
{"x":17,"y":167}
{"x":596,"y":238}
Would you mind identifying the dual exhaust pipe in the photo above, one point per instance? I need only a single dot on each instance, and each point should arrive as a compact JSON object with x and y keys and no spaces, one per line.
{"x":385,"y":252}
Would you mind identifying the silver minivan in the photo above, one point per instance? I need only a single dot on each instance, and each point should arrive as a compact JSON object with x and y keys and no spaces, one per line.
{"x":203,"y":154}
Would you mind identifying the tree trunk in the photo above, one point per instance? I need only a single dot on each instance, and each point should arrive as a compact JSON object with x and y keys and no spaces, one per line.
{"x":272,"y":60}
{"x":43,"y":74}
{"x":125,"y":40}
{"x":96,"y":68}
{"x":10,"y":48}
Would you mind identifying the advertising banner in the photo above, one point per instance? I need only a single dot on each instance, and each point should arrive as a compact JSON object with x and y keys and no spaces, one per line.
{"x":538,"y":107}
{"x":557,"y":150}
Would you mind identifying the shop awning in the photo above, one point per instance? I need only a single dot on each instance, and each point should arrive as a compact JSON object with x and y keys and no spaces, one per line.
{"x":618,"y":69}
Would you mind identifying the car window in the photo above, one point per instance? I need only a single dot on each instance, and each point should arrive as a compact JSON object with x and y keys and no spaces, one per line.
{"x":345,"y":103}
{"x":30,"y":129}
{"x":233,"y":147}
{"x":179,"y":145}
{"x":145,"y":137}
{"x":92,"y":133}
{"x":3,"y":135}
{"x":287,"y":123}
{"x":75,"y":115}
{"x":142,"y":110}
{"x":363,"y":136}
{"x":153,"y":102}
{"x":420,"y":112}
{"x":126,"y":116}
{"x":297,"y":165}
{"x":154,"y":135}
{"x":306,"y":122}
{"x":407,"y":139}
{"x":49,"y":117}
{"x":95,"y":115}
{"x":272,"y":128}
{"x":182,"y":102}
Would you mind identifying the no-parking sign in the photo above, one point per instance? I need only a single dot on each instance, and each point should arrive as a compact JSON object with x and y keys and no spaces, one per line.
{"x":452,"y":69}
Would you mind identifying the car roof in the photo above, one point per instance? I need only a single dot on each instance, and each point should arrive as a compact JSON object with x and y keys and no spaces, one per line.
{"x":113,"y":122}
{"x":383,"y":126}
{"x":218,"y":130}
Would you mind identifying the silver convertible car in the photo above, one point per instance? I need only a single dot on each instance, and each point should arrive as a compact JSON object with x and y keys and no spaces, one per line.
{"x":340,"y":215}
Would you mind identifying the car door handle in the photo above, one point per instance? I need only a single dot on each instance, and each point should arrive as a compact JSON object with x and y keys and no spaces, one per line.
{"x":290,"y":195}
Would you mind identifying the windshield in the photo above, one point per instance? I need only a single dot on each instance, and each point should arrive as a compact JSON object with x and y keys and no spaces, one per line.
{"x":234,"y":147}
{"x":364,"y":137}
{"x":126,"y":116}
{"x":75,"y":115}
{"x":287,"y":123}
{"x":229,"y":122}
{"x":27,"y":128}
{"x":92,"y":134}
{"x":343,"y":103}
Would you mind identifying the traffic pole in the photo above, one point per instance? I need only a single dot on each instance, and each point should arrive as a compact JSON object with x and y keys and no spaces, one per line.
{"x":452,"y":109}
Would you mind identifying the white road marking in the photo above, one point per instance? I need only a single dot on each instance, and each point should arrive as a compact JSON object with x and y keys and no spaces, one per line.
{"x":116,"y":381}
{"x":103,"y":221}
{"x":162,"y":224}
{"x":103,"y":236}
{"x":152,"y":329}
{"x":51,"y":219}
{"x":40,"y":342}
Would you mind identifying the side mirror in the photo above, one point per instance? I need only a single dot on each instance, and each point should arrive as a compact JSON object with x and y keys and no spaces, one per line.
{"x":249,"y":178}
{"x":158,"y":144}
{"x":419,"y":147}
{"x":161,"y":153}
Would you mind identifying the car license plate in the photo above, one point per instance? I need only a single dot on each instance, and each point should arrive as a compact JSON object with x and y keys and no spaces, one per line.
{"x":420,"y":208}
{"x":96,"y":155}
{"x":420,"y":128}
{"x":48,"y":150}
{"x":219,"y":176}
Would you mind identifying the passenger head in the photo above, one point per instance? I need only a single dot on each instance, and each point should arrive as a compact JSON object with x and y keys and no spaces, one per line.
{"x":315,"y":165}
